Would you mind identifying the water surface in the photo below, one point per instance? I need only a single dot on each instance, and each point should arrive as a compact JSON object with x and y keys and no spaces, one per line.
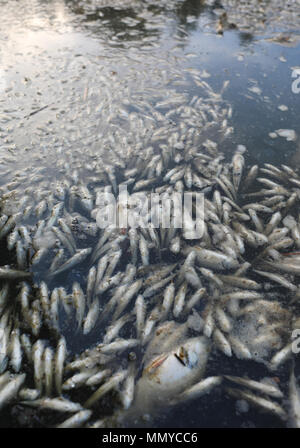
{"x":76,"y":78}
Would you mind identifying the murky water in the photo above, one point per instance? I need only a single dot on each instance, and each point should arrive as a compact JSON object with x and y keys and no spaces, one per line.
{"x":84,"y":80}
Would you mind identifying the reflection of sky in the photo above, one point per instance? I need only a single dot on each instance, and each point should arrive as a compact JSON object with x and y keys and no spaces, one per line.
{"x":26,"y":31}
{"x":33,"y":15}
{"x":261,"y":64}
{"x":40,"y":42}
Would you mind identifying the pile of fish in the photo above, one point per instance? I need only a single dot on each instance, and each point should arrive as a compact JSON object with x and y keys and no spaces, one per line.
{"x":156,"y":303}
{"x":100,"y":326}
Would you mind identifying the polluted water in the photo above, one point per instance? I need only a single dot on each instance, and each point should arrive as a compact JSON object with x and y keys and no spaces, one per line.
{"x":149,"y":214}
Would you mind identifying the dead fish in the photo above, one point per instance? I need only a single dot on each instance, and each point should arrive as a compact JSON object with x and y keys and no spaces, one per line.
{"x":77,"y":420}
{"x":59,"y":361}
{"x":12,"y":274}
{"x":260,"y":402}
{"x":79,"y":257}
{"x":212,"y":259}
{"x":238,"y":162}
{"x":54,"y":404}
{"x":10,"y":390}
{"x":198,"y":390}
{"x":114,"y":381}
{"x":259,"y":386}
{"x":294,"y":396}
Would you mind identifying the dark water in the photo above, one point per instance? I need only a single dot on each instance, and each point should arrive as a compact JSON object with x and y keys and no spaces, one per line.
{"x":66,"y":66}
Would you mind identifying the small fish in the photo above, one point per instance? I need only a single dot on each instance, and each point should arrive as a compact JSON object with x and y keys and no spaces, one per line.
{"x":209,"y":322}
{"x":37,"y":353}
{"x":167,"y":300}
{"x":144,"y":251}
{"x":194,"y":300}
{"x":79,"y":257}
{"x":118,"y":345}
{"x":223,"y":320}
{"x":13,"y":275}
{"x":54,"y":404}
{"x":140,"y":310}
{"x":240,"y":350}
{"x":10,"y":390}
{"x":294,"y":395}
{"x":260,"y":402}
{"x":78,"y":379}
{"x":48,"y":370}
{"x":114,"y":381}
{"x":241,"y":295}
{"x":127,"y":393}
{"x":57,"y":260}
{"x":278,"y":279}
{"x":92,"y":316}
{"x":64,"y":239}
{"x":199,"y":389}
{"x":15,"y":350}
{"x":79,"y":303}
{"x":262,"y":387}
{"x":221,"y":342}
{"x":179,"y":300}
{"x":59,"y":361}
{"x":113,"y":329}
{"x":280,"y":357}
{"x":98,"y":378}
{"x":77,"y":420}
{"x":238,"y":162}
{"x":240,"y":282}
{"x":212,"y":259}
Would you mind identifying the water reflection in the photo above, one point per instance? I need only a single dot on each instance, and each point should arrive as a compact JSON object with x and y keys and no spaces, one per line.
{"x":72,"y":42}
{"x":133,"y":20}
{"x":187,"y":13}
